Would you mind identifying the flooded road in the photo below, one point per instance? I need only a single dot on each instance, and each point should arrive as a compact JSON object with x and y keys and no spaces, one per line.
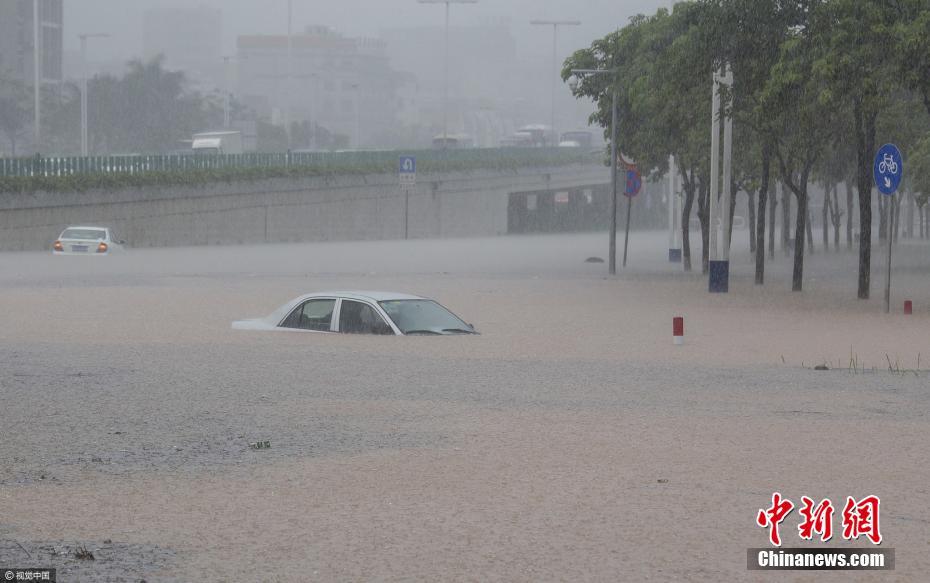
{"x":569,"y":441}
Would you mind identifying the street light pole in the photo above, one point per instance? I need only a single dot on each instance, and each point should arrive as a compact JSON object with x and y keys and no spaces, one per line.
{"x":445,"y":82}
{"x":226,"y":92}
{"x":358,"y":107}
{"x":84,"y":37}
{"x":288,"y":85}
{"x":37,"y":72}
{"x":612,"y":240}
{"x":555,"y":59}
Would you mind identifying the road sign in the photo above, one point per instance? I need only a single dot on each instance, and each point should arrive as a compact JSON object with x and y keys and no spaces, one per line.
{"x":634,"y":182}
{"x":888,"y":169}
{"x":407,"y":170}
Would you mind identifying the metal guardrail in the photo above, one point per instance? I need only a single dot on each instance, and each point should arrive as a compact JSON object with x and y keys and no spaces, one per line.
{"x":49,"y":166}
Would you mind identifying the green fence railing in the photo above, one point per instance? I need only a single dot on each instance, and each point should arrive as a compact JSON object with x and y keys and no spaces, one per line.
{"x":427,"y":160}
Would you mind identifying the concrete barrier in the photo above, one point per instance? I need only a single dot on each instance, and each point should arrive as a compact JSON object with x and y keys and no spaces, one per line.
{"x":349,"y":207}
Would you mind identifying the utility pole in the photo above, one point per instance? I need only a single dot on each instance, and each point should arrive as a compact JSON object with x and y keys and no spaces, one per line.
{"x":719,"y":268}
{"x":37,"y":72}
{"x":555,"y":60}
{"x":288,"y":84}
{"x":445,"y":82}
{"x":84,"y":97}
{"x":227,"y":118}
{"x":612,"y":237}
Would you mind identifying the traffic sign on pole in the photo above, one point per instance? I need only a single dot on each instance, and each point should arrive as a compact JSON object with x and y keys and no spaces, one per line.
{"x":407,"y":171}
{"x":888,"y":169}
{"x":634,"y":183}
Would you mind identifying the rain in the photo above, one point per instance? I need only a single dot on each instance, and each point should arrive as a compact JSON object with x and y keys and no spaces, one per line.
{"x":449,"y":290}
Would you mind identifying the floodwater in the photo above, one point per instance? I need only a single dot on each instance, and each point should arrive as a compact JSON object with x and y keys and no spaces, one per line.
{"x":569,"y":441}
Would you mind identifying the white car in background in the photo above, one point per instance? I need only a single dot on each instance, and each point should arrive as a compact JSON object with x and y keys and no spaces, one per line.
{"x":87,"y":241}
{"x":357,"y":312}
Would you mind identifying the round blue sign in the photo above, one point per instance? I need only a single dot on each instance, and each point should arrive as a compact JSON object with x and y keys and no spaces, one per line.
{"x":888,"y":169}
{"x":633,"y":183}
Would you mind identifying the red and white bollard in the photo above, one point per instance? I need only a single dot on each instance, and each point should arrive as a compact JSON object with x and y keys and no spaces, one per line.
{"x":678,"y":330}
{"x":908,"y":307}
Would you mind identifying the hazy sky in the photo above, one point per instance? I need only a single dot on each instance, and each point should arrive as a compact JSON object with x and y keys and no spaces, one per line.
{"x":123,"y":19}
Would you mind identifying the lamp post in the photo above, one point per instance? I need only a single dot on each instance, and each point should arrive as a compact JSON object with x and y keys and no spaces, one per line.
{"x":445,"y":82}
{"x":612,"y":245}
{"x":226,"y":92}
{"x":288,"y":85}
{"x":358,"y":107}
{"x":37,"y":71}
{"x":555,"y":24}
{"x":719,"y":268}
{"x":84,"y":37}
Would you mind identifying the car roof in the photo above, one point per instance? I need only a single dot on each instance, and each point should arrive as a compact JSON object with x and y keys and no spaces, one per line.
{"x":85,"y":227}
{"x":371,"y":296}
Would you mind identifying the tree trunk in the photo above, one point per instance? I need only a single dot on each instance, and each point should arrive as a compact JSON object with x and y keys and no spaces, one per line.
{"x":910,"y":215}
{"x":686,"y":223}
{"x":751,"y":216}
{"x":882,"y":218}
{"x":773,"y":206}
{"x":896,"y":215}
{"x":797,"y":277}
{"x":760,"y":229}
{"x":786,"y":220}
{"x":849,"y":214}
{"x":729,"y":234}
{"x":837,"y":217}
{"x":825,"y":212}
{"x":704,"y":216}
{"x":810,"y":230}
{"x":865,"y":146}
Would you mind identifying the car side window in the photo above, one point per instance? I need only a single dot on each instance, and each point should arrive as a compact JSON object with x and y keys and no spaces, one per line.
{"x":311,"y":315}
{"x":360,"y":318}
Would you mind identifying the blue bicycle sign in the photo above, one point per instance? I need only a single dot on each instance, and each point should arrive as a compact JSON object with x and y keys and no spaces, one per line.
{"x":888,"y":169}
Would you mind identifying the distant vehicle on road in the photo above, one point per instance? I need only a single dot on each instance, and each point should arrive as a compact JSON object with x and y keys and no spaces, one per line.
{"x":87,"y":241}
{"x":229,"y":142}
{"x":358,"y":312}
{"x":576,"y":139}
{"x":453,"y":141}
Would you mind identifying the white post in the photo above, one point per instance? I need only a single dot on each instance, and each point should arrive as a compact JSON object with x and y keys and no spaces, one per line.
{"x":727,"y":169}
{"x":714,"y":168}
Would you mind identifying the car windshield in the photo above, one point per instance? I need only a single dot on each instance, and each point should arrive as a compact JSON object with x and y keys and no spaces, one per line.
{"x":84,"y":234}
{"x":423,"y":316}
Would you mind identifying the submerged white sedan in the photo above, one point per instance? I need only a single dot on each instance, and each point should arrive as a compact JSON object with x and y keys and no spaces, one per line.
{"x":86,"y":241}
{"x":358,"y":312}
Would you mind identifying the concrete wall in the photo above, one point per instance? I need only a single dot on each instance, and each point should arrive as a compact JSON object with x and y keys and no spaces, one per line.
{"x":307,"y":209}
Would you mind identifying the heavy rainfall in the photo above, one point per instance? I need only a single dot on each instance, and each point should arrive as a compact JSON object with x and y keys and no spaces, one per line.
{"x":656,"y":266}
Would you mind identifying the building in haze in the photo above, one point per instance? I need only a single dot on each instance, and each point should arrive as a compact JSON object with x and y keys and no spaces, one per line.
{"x":17,"y":41}
{"x":342,"y":84}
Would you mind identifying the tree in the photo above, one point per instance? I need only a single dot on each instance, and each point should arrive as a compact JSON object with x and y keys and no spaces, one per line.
{"x":14,"y":111}
{"x":662,"y":83}
{"x":149,"y":109}
{"x":851,"y":36}
{"x":805,"y":119}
